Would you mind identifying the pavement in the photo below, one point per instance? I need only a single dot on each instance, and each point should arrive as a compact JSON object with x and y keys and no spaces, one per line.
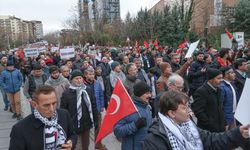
{"x":6,"y":123}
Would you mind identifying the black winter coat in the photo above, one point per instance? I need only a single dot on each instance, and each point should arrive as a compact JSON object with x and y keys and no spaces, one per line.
{"x":208,"y":109}
{"x":27,"y":134}
{"x":158,"y":140}
{"x":69,"y":102}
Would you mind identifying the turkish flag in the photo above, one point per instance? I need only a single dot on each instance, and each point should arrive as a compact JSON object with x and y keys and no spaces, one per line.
{"x":120,"y":106}
{"x":183,"y":45}
{"x":156,"y":42}
{"x":230,"y":36}
{"x":145,"y":44}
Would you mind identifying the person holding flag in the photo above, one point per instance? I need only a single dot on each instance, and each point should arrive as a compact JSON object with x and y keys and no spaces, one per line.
{"x":133,"y":128}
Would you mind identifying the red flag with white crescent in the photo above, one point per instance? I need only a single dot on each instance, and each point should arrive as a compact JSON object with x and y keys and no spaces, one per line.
{"x":120,"y":106}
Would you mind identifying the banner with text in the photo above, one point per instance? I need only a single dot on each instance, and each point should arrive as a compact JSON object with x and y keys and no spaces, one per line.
{"x":67,"y":53}
{"x":30,"y":52}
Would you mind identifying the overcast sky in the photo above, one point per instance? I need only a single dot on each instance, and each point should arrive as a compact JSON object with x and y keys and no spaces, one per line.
{"x":53,"y":13}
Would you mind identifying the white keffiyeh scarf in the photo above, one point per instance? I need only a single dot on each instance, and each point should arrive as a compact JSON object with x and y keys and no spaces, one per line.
{"x":182,"y":137}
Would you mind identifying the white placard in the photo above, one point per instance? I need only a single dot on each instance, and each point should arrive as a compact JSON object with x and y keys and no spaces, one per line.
{"x":54,"y":49}
{"x":30,"y":52}
{"x":42,"y":49}
{"x":225,"y":41}
{"x":191,"y":49}
{"x":67,"y":53}
{"x":242,"y":111}
{"x":239,"y":37}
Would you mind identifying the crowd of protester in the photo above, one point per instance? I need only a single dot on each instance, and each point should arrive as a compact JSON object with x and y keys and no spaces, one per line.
{"x":210,"y":83}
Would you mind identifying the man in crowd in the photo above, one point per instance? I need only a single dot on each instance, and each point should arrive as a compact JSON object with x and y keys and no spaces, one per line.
{"x":80,"y":102}
{"x":65,"y":71}
{"x":228,"y":96}
{"x":3,"y":65}
{"x":207,"y":105}
{"x":11,"y":82}
{"x":141,"y":74}
{"x":46,"y":128}
{"x":95,"y":86}
{"x":240,"y":66}
{"x":116,"y":73}
{"x":131,"y":78}
{"x":35,"y":79}
{"x":133,"y":128}
{"x":175,"y":130}
{"x":57,"y":81}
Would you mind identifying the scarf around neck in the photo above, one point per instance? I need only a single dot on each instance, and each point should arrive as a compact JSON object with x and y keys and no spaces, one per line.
{"x":181,"y":137}
{"x":81,"y":92}
{"x":53,"y":134}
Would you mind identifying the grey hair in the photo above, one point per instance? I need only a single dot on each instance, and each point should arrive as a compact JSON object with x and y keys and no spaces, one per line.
{"x":63,"y":67}
{"x":174,"y":78}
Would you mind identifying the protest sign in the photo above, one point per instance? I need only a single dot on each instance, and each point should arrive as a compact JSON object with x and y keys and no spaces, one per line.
{"x":191,"y":49}
{"x":30,"y":52}
{"x":67,"y":53}
{"x":225,"y":41}
{"x":42,"y":49}
{"x":239,"y":37}
{"x":242,"y":111}
{"x":54,"y":49}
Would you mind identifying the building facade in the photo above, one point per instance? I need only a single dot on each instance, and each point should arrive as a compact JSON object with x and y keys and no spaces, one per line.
{"x":16,"y":29}
{"x":92,"y":11}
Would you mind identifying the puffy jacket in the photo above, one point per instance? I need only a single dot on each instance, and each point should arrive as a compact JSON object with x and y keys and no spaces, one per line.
{"x":11,"y":81}
{"x":227,"y":102}
{"x":158,"y":140}
{"x":126,"y":129}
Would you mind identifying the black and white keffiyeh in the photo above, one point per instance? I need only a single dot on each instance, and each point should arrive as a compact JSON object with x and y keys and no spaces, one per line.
{"x":184,"y":136}
{"x":54,"y":135}
{"x":81,"y":92}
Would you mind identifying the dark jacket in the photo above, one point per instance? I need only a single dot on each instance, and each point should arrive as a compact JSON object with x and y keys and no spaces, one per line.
{"x":158,"y":140}
{"x":27,"y":134}
{"x":196,"y":77}
{"x":69,"y":102}
{"x":126,"y":129}
{"x":239,"y":83}
{"x":208,"y":109}
{"x":106,"y":69}
{"x":32,"y":83}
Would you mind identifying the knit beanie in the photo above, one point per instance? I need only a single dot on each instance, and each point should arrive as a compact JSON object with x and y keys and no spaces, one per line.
{"x":141,"y":88}
{"x":114,"y":64}
{"x":212,"y":73}
{"x":76,"y":73}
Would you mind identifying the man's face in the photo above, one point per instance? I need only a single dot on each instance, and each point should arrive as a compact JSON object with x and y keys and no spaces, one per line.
{"x":90,"y":76}
{"x":146,"y":97}
{"x":4,"y":60}
{"x":159,"y":61}
{"x":65,"y":73}
{"x":230,"y":76}
{"x":200,"y":57}
{"x":168,"y":71}
{"x":46,"y":104}
{"x":42,"y":63}
{"x":69,"y":64}
{"x":181,"y":115}
{"x":125,"y":60}
{"x":243,"y":67}
{"x":176,"y":59}
{"x":138,"y":64}
{"x":118,"y":69}
{"x":55,"y":74}
{"x":98,"y":71}
{"x":177,"y":86}
{"x":105,"y":60}
{"x":37,"y":73}
{"x":133,"y":70}
{"x":216,"y":81}
{"x":78,"y":80}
